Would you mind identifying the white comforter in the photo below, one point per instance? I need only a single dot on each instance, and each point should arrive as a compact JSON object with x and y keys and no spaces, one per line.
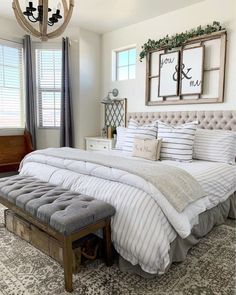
{"x":145,"y":223}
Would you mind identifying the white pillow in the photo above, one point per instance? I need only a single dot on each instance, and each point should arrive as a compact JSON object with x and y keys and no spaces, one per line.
{"x":139,"y":131}
{"x":120,"y":137}
{"x":147,"y":148}
{"x":215,"y":145}
{"x":177,"y":141}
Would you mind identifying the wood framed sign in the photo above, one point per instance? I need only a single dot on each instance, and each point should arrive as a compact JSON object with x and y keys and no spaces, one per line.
{"x":207,"y":72}
{"x":168,"y":74}
{"x":191,"y":70}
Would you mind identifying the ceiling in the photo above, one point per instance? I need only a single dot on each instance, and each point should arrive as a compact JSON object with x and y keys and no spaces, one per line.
{"x":107,"y":15}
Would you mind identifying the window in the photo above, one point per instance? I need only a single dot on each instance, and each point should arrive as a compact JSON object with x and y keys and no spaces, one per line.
{"x":48,"y":81}
{"x":126,"y":64}
{"x":11,"y":85}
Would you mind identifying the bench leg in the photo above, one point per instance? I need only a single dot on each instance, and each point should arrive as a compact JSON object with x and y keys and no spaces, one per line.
{"x":68,"y":261}
{"x":108,"y":243}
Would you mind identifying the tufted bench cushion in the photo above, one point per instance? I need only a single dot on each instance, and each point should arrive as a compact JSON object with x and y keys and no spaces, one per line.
{"x":65,"y":211}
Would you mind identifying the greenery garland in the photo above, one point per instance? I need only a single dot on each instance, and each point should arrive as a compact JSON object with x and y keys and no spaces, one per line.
{"x":178,"y":39}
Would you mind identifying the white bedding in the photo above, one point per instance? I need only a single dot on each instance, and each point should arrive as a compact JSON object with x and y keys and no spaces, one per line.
{"x":145,"y":223}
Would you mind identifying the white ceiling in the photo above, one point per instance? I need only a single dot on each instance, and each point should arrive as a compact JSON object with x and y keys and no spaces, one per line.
{"x":106,"y":15}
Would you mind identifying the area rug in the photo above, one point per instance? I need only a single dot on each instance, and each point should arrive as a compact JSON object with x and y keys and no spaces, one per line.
{"x":208,"y":270}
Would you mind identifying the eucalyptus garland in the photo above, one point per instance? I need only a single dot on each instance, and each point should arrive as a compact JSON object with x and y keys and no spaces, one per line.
{"x":178,"y":39}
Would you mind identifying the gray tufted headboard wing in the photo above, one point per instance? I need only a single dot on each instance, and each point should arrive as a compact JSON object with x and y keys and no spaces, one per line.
{"x":225,"y":120}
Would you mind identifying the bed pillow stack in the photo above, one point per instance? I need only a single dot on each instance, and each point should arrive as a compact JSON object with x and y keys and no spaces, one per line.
{"x":120,"y":137}
{"x":177,"y":141}
{"x":182,"y":142}
{"x":135,"y":130}
{"x":215,"y":145}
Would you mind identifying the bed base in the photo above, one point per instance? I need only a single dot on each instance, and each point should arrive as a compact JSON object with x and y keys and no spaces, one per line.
{"x":179,"y":247}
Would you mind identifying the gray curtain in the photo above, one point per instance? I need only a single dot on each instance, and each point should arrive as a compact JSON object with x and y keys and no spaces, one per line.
{"x":66,"y":129}
{"x":30,"y":124}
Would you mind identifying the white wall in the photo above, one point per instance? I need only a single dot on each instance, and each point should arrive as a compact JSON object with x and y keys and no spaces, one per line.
{"x":88,"y":122}
{"x":175,"y":22}
{"x":85,"y":77}
{"x":10,"y":30}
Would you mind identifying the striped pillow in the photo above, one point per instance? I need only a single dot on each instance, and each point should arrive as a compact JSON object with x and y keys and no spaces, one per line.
{"x":177,"y":141}
{"x":135,"y":130}
{"x":215,"y":145}
{"x":120,"y":133}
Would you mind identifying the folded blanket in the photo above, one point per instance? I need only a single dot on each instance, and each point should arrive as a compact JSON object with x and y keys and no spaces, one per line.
{"x":177,"y":186}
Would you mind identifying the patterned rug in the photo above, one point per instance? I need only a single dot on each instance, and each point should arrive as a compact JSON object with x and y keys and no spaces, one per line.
{"x":208,"y":270}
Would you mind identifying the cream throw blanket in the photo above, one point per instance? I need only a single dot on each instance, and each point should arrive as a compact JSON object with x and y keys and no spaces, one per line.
{"x":177,"y":186}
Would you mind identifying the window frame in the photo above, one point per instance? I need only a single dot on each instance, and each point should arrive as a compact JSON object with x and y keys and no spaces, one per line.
{"x":117,"y":67}
{"x":11,"y":129}
{"x":43,"y":46}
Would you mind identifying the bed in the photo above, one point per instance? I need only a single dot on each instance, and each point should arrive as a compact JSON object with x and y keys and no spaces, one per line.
{"x":147,"y":231}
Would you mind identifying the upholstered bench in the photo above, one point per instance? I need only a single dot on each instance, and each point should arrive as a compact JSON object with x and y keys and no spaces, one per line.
{"x":65,"y":215}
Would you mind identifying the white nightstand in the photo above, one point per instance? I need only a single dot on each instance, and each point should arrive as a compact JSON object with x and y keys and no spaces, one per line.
{"x":99,"y":144}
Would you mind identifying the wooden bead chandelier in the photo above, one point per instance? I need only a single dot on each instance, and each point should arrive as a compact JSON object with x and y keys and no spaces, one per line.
{"x":44,"y":16}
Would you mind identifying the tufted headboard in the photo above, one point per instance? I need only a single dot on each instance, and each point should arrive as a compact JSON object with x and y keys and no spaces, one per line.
{"x":207,"y":119}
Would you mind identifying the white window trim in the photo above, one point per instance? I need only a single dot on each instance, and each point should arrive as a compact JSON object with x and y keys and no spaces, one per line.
{"x":11,"y":131}
{"x":114,"y":61}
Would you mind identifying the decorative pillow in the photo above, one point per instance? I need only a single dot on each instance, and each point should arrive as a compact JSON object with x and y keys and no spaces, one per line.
{"x":177,"y":141}
{"x":135,"y":130}
{"x":120,"y":137}
{"x":147,"y":148}
{"x":215,"y":145}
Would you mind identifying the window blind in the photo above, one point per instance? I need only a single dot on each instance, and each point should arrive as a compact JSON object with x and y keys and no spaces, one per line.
{"x":11,"y":85}
{"x":48,"y":79}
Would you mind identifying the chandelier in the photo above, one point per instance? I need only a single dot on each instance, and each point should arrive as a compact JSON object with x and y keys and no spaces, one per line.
{"x":45,"y":17}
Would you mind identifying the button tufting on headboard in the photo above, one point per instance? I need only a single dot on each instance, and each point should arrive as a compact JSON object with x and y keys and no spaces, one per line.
{"x":207,"y":119}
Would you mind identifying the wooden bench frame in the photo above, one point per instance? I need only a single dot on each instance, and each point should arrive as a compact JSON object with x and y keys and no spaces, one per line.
{"x":66,"y":241}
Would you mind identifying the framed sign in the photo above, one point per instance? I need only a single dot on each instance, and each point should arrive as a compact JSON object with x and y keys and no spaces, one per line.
{"x":207,"y":82}
{"x":191,"y":71}
{"x":168,"y":74}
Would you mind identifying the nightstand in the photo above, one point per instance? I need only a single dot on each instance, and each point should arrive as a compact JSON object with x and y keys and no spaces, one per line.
{"x":99,"y":143}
